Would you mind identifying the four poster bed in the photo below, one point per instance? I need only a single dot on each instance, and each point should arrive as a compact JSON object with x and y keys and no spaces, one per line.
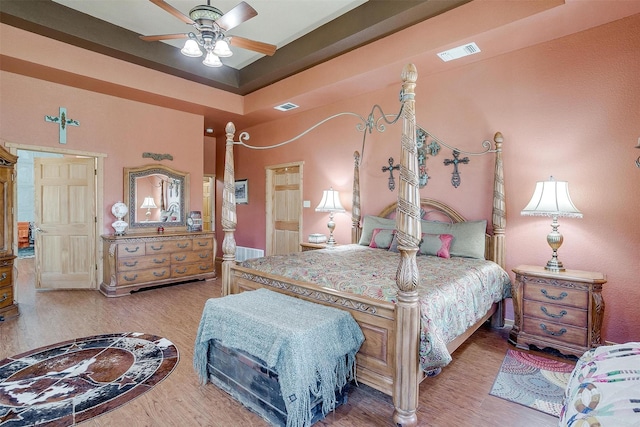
{"x":399,"y":344}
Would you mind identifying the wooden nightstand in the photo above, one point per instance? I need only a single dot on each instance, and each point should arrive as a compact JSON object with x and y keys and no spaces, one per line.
{"x":561,"y":310}
{"x":306,"y":246}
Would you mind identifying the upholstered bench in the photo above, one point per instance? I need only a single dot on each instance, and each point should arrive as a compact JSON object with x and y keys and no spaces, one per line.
{"x":286,"y":359}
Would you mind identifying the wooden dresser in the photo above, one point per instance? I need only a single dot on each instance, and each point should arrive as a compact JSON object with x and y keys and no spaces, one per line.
{"x":561,"y":310}
{"x":137,"y":261}
{"x":8,"y":306}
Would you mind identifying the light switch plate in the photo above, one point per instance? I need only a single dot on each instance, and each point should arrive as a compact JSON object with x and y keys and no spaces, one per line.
{"x":306,"y":204}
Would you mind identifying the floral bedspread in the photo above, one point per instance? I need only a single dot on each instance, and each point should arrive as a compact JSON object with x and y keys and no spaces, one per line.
{"x":454,"y":293}
{"x":604,"y":388}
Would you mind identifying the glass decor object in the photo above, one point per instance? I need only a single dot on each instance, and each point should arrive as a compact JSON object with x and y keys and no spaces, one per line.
{"x":119,"y":210}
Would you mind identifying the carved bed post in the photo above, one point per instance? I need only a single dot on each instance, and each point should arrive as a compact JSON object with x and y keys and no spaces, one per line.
{"x":355,"y":210}
{"x":499,"y":221}
{"x":229,"y":218}
{"x":405,"y":381}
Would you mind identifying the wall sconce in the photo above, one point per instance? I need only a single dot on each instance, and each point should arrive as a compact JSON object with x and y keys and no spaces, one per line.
{"x":148,"y":204}
{"x":551,"y":198}
{"x":330,"y":203}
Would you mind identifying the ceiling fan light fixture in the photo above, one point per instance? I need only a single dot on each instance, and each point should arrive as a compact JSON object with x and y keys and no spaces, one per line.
{"x":211,"y":60}
{"x":222,"y":49}
{"x":191,"y":49}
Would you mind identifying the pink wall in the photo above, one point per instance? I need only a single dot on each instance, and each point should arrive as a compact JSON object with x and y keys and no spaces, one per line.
{"x":567,"y":108}
{"x":120,"y":128}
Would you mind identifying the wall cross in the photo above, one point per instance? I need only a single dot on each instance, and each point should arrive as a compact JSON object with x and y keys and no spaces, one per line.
{"x":390,"y":168}
{"x":455,"y":175}
{"x":62,"y":121}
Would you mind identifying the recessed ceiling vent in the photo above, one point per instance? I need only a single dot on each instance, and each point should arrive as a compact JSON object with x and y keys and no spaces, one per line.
{"x":459,"y":52}
{"x":286,"y":106}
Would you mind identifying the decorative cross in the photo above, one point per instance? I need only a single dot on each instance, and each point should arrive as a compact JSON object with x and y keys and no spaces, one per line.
{"x":390,"y":168}
{"x":62,"y":121}
{"x":455,"y":178}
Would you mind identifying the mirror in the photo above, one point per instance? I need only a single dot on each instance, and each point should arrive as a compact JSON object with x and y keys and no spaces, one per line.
{"x":156,"y":195}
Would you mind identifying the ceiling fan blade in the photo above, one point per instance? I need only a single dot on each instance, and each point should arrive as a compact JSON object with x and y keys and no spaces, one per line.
{"x":164,"y":37}
{"x":172,"y":10}
{"x":236,"y":16}
{"x":265,"y":48}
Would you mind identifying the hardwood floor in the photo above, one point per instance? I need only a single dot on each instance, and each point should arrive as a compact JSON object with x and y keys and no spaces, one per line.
{"x":459,"y":396}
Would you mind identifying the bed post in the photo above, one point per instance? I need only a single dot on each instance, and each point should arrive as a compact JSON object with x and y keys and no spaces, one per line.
{"x":499,"y":221}
{"x":229,"y":218}
{"x":405,"y":379}
{"x":355,"y":210}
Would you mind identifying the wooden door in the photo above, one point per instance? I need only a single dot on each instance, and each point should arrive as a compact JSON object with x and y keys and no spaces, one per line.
{"x":65,"y":219}
{"x":284,"y":208}
{"x":208,"y":203}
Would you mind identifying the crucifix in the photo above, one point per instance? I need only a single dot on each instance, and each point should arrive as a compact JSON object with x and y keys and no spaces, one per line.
{"x":455,"y":178}
{"x":390,"y":168}
{"x":62,"y":121}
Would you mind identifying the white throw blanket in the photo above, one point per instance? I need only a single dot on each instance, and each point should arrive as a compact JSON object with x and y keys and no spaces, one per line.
{"x":312,"y":347}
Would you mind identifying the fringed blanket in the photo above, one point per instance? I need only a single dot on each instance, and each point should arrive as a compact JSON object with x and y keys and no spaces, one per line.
{"x":312,"y":347}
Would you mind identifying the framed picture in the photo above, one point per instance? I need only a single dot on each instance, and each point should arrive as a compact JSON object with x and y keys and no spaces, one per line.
{"x":242,"y":192}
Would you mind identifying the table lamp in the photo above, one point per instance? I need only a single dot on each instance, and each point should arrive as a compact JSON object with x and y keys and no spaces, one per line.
{"x":148,"y":204}
{"x":551,"y":198}
{"x":330,"y":203}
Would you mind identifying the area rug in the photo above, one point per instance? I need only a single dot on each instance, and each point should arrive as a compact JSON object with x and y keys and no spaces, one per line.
{"x":70,"y":382}
{"x":534,"y":381}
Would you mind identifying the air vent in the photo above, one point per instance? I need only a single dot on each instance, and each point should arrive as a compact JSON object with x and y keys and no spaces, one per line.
{"x":286,"y":106}
{"x":459,"y":52}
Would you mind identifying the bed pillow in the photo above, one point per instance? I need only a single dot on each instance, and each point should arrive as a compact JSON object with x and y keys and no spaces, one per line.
{"x":381,"y":238}
{"x":468,"y":237}
{"x":372,"y":222}
{"x":436,"y":244}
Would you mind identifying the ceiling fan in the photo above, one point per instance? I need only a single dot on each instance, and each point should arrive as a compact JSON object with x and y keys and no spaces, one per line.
{"x":210,"y":26}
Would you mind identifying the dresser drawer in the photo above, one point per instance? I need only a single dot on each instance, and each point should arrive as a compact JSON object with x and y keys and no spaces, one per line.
{"x":555,"y":331}
{"x":131,"y":249}
{"x":190,"y":257}
{"x":203,"y":243}
{"x":555,"y":313}
{"x":168,"y":246}
{"x":5,"y":276}
{"x":143,"y":262}
{"x":554,"y":294}
{"x":191,"y":269}
{"x":6,"y":296}
{"x":141,"y":276}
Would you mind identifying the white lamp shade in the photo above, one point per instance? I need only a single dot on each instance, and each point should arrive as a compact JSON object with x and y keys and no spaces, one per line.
{"x":191,"y":49}
{"x":222,"y":49}
{"x":330,"y":202}
{"x":148,"y":203}
{"x":212,"y":60}
{"x":551,"y":198}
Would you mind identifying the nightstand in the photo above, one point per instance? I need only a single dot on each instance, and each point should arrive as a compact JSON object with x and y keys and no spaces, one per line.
{"x":562,"y":310}
{"x":306,"y":246}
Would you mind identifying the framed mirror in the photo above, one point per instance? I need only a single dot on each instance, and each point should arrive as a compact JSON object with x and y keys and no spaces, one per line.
{"x":156,"y":195}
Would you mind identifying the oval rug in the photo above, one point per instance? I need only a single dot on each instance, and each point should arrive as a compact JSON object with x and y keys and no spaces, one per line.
{"x":70,"y":382}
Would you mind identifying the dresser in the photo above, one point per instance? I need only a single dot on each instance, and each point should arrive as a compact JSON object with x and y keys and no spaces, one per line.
{"x":561,"y":310}
{"x":8,"y":306}
{"x":133,"y":262}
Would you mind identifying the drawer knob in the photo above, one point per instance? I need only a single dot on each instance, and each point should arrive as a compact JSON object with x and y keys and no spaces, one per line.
{"x":3,"y":276}
{"x":563,"y":295}
{"x":155,"y":273}
{"x":4,"y":297}
{"x":182,"y":246}
{"x":157,"y":249}
{"x":181,"y":258}
{"x":555,"y":334}
{"x":131,"y":279}
{"x":131,"y":264}
{"x":555,"y":316}
{"x":159,"y":261}
{"x":203,"y":243}
{"x":131,"y":251}
{"x":181,"y":271}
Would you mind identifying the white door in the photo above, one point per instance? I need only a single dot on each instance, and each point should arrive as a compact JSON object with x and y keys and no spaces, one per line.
{"x":65,"y":217}
{"x":284,"y":208}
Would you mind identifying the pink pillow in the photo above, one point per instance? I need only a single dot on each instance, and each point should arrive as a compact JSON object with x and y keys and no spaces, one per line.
{"x":436,"y":244}
{"x":381,"y":238}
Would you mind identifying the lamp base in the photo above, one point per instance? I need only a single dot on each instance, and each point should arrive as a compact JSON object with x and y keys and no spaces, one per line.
{"x":554,"y":265}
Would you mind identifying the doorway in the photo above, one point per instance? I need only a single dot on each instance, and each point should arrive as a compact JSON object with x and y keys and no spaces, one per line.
{"x":284,"y":208}
{"x":208,"y":203}
{"x":25,"y":191}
